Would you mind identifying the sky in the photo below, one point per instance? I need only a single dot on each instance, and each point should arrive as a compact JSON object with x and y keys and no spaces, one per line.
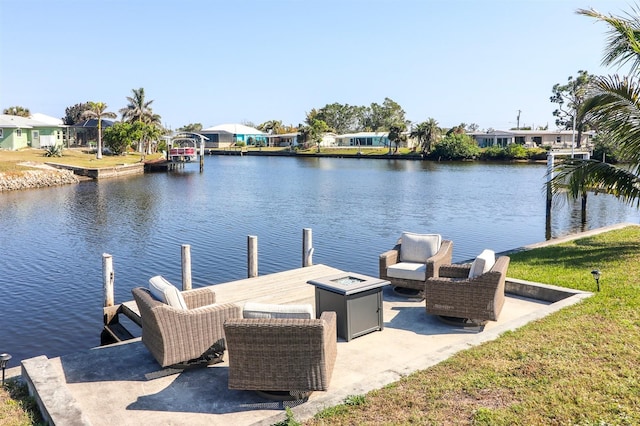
{"x":215,"y":62}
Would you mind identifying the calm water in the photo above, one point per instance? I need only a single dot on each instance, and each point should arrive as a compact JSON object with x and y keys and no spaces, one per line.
{"x":52,"y":240}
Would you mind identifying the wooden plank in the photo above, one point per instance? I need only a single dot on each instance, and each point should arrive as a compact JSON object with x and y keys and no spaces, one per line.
{"x":118,"y":332}
{"x":287,"y":287}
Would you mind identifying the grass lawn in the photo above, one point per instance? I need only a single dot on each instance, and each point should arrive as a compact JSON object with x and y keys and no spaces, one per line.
{"x":10,"y":160}
{"x":578,"y":366}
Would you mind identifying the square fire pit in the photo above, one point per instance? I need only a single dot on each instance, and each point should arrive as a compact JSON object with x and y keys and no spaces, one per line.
{"x":356,"y":299}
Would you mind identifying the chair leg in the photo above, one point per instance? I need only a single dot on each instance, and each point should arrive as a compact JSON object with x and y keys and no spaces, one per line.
{"x":213,"y":355}
{"x":410,"y":293}
{"x":463,"y":322}
{"x":285,"y":395}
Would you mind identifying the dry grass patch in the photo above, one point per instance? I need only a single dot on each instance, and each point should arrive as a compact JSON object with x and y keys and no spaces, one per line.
{"x":10,"y":160}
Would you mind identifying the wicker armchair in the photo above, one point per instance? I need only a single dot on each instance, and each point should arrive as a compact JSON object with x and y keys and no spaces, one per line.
{"x":454,"y":295}
{"x":175,"y":336}
{"x":284,"y":358}
{"x":411,"y":274}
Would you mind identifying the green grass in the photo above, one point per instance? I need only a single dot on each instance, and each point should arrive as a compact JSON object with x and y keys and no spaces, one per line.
{"x":17,"y":408}
{"x":578,"y":366}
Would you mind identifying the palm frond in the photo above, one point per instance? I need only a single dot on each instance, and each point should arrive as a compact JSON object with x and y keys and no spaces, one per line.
{"x":615,"y":106}
{"x":577,"y":176}
{"x":623,"y":43}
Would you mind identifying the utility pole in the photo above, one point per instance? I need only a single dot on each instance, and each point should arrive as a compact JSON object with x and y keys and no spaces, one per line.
{"x":518,"y":121}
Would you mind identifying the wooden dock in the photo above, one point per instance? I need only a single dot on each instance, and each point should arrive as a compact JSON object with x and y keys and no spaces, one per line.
{"x":287,"y":287}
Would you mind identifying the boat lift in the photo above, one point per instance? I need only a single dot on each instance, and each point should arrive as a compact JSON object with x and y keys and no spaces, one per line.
{"x":184,"y":147}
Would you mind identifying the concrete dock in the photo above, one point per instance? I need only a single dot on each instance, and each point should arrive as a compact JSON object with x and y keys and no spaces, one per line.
{"x":123,"y":384}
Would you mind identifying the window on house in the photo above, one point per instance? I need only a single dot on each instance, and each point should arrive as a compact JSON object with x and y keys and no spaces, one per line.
{"x":19,"y":133}
{"x":520,"y":140}
{"x":59,"y":133}
{"x":537,"y":140}
{"x":558,"y":139}
{"x":1,"y":133}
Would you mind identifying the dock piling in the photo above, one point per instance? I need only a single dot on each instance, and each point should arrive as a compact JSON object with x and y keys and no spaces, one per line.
{"x":307,"y":247}
{"x":107,"y":279}
{"x":186,"y":267}
{"x":252,"y":256}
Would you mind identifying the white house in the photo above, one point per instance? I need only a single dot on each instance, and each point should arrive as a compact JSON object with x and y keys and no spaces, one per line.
{"x":530,"y":138}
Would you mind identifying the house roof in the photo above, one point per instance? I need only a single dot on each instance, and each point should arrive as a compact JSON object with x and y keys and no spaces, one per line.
{"x":237,"y":129}
{"x":16,"y":122}
{"x":93,"y":122}
{"x":363,"y":135}
{"x":43,"y":118}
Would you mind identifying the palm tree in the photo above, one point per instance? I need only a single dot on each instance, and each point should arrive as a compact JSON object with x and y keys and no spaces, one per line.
{"x":98,"y":110}
{"x":614,"y":105}
{"x":17,"y":110}
{"x":396,"y":135}
{"x":139,"y":110}
{"x":427,"y":134}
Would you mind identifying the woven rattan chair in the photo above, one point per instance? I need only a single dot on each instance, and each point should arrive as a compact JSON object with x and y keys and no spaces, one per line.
{"x":281,"y":358}
{"x":178,"y":337}
{"x":453,"y":295}
{"x":415,"y":276}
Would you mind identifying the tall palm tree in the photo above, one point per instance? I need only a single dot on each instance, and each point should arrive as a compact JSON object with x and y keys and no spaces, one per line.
{"x":139,"y":109}
{"x":98,"y":110}
{"x":614,"y":105}
{"x":427,"y":134}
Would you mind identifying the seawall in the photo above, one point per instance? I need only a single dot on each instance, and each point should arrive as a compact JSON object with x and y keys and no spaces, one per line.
{"x":10,"y":181}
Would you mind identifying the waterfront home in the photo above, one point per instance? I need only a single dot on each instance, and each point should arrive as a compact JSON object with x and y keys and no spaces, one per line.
{"x":363,"y":139}
{"x":37,"y":131}
{"x":530,"y":138}
{"x":226,"y":135}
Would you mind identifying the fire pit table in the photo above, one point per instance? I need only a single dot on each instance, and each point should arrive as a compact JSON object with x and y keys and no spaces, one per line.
{"x":356,"y":299}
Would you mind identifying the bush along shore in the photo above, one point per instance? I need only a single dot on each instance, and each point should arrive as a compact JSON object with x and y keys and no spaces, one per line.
{"x":15,"y":180}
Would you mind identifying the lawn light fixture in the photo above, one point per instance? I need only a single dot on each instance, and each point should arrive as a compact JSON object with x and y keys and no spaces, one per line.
{"x":4,"y":359}
{"x":596,"y":276}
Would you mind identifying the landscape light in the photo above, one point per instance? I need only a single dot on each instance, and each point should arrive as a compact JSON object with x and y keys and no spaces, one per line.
{"x":4,"y":359}
{"x":596,"y":276}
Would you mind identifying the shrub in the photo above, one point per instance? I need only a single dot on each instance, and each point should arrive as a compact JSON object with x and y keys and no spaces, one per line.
{"x":53,"y":151}
{"x":516,"y":151}
{"x":493,"y":153}
{"x":455,"y":147}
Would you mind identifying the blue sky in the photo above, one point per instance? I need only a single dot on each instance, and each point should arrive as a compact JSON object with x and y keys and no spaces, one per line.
{"x":214,"y":62}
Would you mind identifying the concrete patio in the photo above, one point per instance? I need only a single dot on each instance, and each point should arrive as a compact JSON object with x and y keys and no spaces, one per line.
{"x":123,"y":384}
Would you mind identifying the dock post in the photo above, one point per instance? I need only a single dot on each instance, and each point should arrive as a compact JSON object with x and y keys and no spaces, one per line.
{"x":549,"y":196}
{"x":252,"y":253}
{"x":307,"y":247}
{"x":107,"y":279}
{"x":186,"y":267}
{"x":201,"y":154}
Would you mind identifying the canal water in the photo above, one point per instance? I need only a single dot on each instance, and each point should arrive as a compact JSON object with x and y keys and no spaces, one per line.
{"x":52,"y":240}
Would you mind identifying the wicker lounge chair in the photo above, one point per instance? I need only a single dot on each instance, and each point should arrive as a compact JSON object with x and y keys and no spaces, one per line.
{"x":473,"y":301}
{"x":281,"y":358}
{"x":409,"y":270}
{"x":184,"y":337}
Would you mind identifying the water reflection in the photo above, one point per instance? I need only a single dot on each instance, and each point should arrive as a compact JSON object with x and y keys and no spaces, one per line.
{"x":51,"y":288}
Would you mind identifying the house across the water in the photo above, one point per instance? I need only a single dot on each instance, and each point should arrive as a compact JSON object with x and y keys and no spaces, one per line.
{"x":530,"y":138}
{"x":37,"y":131}
{"x":226,"y":135}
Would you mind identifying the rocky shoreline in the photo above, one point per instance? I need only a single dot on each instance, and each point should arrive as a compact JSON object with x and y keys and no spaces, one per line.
{"x":10,"y":181}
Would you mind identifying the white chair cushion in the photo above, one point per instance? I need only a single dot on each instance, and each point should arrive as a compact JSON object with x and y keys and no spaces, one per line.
{"x":166,"y":292}
{"x":266,"y":310}
{"x":417,"y":248}
{"x":483,"y":263}
{"x":408,"y":271}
